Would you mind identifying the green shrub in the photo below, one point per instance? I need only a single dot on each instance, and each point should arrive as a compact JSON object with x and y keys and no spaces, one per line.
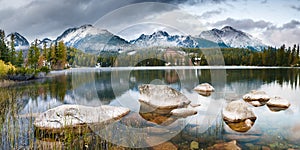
{"x":45,"y":69}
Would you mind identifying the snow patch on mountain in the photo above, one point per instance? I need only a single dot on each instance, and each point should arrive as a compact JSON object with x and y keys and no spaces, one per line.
{"x":233,"y":38}
{"x":91,"y":39}
{"x":162,"y":38}
{"x":20,"y":42}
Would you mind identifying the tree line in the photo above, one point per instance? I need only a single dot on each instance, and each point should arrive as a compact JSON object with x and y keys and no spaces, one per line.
{"x":270,"y":56}
{"x":55,"y":56}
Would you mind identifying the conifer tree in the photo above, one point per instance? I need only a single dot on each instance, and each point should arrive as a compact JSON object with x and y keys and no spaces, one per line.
{"x":12,"y":53}
{"x":3,"y":48}
{"x":20,"y":59}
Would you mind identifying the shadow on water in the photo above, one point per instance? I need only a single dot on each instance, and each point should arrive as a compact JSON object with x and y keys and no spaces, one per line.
{"x":276,"y":130}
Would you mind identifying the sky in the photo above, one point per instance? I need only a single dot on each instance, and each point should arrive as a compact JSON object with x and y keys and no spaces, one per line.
{"x":275,"y":22}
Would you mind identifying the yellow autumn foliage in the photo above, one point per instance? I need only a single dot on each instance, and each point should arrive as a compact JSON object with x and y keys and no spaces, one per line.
{"x":5,"y":67}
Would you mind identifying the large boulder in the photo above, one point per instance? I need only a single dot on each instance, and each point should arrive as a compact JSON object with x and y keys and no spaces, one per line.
{"x":238,"y":116}
{"x":163,"y":105}
{"x":78,"y":117}
{"x":259,"y":96}
{"x":237,"y":111}
{"x":278,"y":103}
{"x":161,"y":99}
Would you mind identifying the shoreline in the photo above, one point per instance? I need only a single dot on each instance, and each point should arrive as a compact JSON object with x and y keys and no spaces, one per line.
{"x":8,"y":83}
{"x":83,"y":69}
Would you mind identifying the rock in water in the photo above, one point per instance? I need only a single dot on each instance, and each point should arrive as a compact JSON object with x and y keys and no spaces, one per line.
{"x":183,"y":112}
{"x":163,"y":105}
{"x":76,"y":116}
{"x":225,"y":146}
{"x":278,"y":103}
{"x":204,"y":89}
{"x":161,"y":99}
{"x":254,"y":95}
{"x":237,"y":111}
{"x":238,"y":116}
{"x":194,"y":145}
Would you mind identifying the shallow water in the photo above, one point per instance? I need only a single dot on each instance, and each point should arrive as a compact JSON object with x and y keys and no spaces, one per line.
{"x":119,"y":87}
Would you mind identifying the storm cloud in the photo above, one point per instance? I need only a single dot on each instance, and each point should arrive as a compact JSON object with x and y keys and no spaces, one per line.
{"x":208,"y":14}
{"x":244,"y":24}
{"x":296,"y":7}
{"x":46,"y":18}
{"x":49,"y":18}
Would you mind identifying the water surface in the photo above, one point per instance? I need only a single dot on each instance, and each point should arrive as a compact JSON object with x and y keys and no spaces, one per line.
{"x":119,"y":87}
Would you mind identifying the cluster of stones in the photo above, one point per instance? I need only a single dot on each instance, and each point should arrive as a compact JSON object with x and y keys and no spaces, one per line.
{"x":260,"y":98}
{"x":240,"y":117}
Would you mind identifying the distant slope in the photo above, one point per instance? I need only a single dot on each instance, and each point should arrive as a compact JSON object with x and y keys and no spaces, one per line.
{"x":162,"y":38}
{"x":91,"y":39}
{"x":20,"y":42}
{"x":233,"y":38}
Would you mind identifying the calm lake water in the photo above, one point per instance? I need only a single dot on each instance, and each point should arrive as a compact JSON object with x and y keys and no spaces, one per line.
{"x":19,"y":105}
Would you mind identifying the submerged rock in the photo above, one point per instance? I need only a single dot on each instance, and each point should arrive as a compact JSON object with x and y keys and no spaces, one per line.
{"x":194,"y":145}
{"x":242,"y":126}
{"x":254,"y":95}
{"x":256,"y":103}
{"x":77,"y":116}
{"x":165,"y":146}
{"x":161,"y":99}
{"x":225,"y":146}
{"x":238,"y":111}
{"x":183,"y":112}
{"x":238,"y":116}
{"x":278,"y":103}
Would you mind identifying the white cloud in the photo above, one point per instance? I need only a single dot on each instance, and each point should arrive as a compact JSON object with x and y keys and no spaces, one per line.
{"x":288,"y":34}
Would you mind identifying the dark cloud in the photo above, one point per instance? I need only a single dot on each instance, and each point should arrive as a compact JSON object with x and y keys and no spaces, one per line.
{"x":39,"y":19}
{"x":209,"y":14}
{"x":264,"y":1}
{"x":244,"y":24}
{"x":296,"y":8}
{"x":192,"y":2}
{"x":292,"y":24}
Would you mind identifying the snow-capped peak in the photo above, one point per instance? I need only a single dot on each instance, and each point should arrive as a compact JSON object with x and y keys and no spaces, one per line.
{"x":233,"y":38}
{"x":73,"y":35}
{"x":91,"y":39}
{"x":20,"y":42}
{"x":163,"y":38}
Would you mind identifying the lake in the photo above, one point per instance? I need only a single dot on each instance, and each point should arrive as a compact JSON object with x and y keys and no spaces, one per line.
{"x":119,"y":87}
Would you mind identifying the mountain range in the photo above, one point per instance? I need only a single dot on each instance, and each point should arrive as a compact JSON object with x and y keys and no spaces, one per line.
{"x":91,"y":39}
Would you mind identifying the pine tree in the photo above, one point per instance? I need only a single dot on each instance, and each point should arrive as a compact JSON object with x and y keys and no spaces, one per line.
{"x":294,"y":60}
{"x":280,"y":56}
{"x":20,"y":59}
{"x":61,"y":55}
{"x":30,"y":56}
{"x":33,"y":55}
{"x":36,"y":54}
{"x":52,"y":56}
{"x":297,"y":55}
{"x":45,"y":51}
{"x":3,"y":48}
{"x":12,"y":53}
